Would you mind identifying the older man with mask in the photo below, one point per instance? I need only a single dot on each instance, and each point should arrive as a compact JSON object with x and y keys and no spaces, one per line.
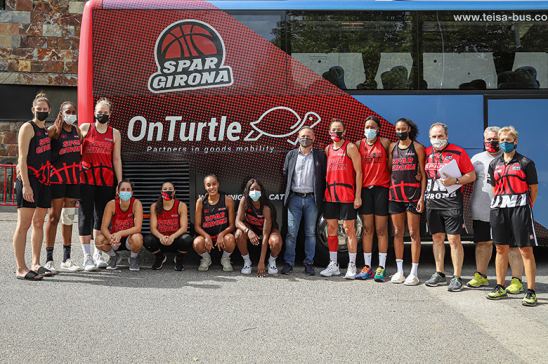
{"x":481,"y":201}
{"x":444,"y":208}
{"x":304,"y":169}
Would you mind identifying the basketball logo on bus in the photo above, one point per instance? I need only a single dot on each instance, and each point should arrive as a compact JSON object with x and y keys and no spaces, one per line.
{"x":190,"y":55}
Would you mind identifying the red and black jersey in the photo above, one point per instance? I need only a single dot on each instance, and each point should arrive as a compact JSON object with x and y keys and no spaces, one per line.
{"x":122,"y":220}
{"x":436,"y":196}
{"x":254,"y":218}
{"x":340,"y":176}
{"x":66,"y":154}
{"x":169,"y":221}
{"x":97,"y":150}
{"x":511,"y":181}
{"x":374,"y":164}
{"x":39,"y":155}
{"x":215,"y":217}
{"x":404,"y":186}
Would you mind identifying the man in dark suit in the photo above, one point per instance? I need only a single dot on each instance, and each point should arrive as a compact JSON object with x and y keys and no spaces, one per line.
{"x":304,"y":169}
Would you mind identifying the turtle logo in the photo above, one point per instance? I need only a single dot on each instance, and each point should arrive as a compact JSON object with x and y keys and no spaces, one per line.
{"x":267,"y":122}
{"x":190,"y":55}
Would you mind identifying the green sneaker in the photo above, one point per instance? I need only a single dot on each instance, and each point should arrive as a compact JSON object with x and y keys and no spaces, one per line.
{"x":478,"y":281}
{"x":515,"y":287}
{"x":497,"y":293}
{"x":530,"y":299}
{"x":380,"y":272}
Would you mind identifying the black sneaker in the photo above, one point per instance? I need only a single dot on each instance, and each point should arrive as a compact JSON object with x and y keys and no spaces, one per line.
{"x":436,"y":280}
{"x":178,"y":260}
{"x":286,"y":269}
{"x":159,"y":260}
{"x":309,"y":269}
{"x":455,"y":285}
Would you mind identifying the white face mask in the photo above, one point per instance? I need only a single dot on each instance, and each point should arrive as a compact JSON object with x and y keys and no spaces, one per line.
{"x":438,"y":143}
{"x":69,"y":119}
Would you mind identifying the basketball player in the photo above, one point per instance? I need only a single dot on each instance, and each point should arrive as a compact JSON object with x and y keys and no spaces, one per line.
{"x":342,"y":196}
{"x":101,"y":164}
{"x":407,"y":186}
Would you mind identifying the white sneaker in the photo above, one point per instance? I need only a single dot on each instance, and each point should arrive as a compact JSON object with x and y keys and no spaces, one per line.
{"x":331,"y":270}
{"x":412,"y":280}
{"x":49,"y":266}
{"x":350,"y":271}
{"x":398,"y":278}
{"x":204,"y":264}
{"x":69,"y":266}
{"x":227,"y":265}
{"x":272,"y":268}
{"x":246,"y":269}
{"x":100,"y":262}
{"x":89,"y":264}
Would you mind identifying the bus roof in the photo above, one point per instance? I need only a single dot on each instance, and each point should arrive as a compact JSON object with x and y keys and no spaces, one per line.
{"x":400,"y":5}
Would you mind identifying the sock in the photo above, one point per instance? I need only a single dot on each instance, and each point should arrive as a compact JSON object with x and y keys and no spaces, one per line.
{"x":86,"y":249}
{"x":226,"y":255}
{"x":530,"y":290}
{"x":272,"y":260}
{"x":206,"y":255}
{"x":66,"y":252}
{"x":415,"y":269}
{"x":382,"y":260}
{"x":49,"y":254}
{"x":367,"y":259}
{"x":133,"y":254}
{"x":333,"y":244}
{"x":111,"y":253}
{"x":352,"y":258}
{"x":247,"y":260}
{"x":95,"y":250}
{"x":399,"y":264}
{"x":441,"y":274}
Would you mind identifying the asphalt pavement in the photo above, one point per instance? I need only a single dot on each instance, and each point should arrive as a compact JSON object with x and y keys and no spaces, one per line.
{"x":193,"y":317}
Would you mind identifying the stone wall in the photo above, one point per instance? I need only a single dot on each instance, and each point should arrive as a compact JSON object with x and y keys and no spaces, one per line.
{"x":8,"y":142}
{"x":39,"y":42}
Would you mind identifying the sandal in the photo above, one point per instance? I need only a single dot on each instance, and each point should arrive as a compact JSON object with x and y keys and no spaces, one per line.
{"x":31,"y":276}
{"x":45,"y":272}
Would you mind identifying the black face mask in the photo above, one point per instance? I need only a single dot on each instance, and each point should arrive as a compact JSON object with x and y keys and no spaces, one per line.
{"x":402,"y":135}
{"x":42,"y":115}
{"x":102,"y":118}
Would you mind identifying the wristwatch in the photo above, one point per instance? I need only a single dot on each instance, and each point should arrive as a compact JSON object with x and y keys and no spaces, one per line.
{"x":457,"y":182}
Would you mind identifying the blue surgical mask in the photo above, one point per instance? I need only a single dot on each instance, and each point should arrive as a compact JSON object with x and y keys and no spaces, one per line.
{"x":125,"y":195}
{"x":370,"y":134}
{"x":507,"y":147}
{"x":255,"y":195}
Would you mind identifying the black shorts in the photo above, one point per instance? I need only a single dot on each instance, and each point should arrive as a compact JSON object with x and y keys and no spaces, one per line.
{"x":482,"y":231}
{"x":339,"y":211}
{"x":182,"y":244}
{"x":513,"y":226}
{"x":449,"y":221}
{"x":93,"y":200}
{"x":123,"y":244}
{"x":65,"y":191}
{"x":374,"y":201}
{"x":41,"y":193}
{"x":395,"y":207}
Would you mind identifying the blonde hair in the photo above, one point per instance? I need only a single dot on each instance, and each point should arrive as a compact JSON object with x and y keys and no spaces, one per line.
{"x":104,"y":101}
{"x":41,"y":96}
{"x":509,"y":130}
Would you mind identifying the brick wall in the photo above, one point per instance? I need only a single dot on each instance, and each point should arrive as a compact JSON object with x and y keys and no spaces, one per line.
{"x":38,"y":47}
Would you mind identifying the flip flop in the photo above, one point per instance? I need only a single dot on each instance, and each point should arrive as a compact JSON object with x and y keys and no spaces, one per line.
{"x":31,"y":276}
{"x":45,"y":272}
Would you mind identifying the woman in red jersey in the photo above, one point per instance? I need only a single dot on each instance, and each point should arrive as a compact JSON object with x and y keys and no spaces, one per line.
{"x":214,"y":225}
{"x":65,"y":183}
{"x":407,"y":186}
{"x":32,"y":189}
{"x":342,"y":197}
{"x":256,"y":223}
{"x":101,"y":165}
{"x":374,"y":210}
{"x":168,"y":228}
{"x":121,"y":227}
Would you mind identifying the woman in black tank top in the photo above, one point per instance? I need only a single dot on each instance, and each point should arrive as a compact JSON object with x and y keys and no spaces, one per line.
{"x":32,"y":189}
{"x":214,"y":224}
{"x":65,"y":184}
{"x":256,"y":213}
{"x":407,"y":186}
